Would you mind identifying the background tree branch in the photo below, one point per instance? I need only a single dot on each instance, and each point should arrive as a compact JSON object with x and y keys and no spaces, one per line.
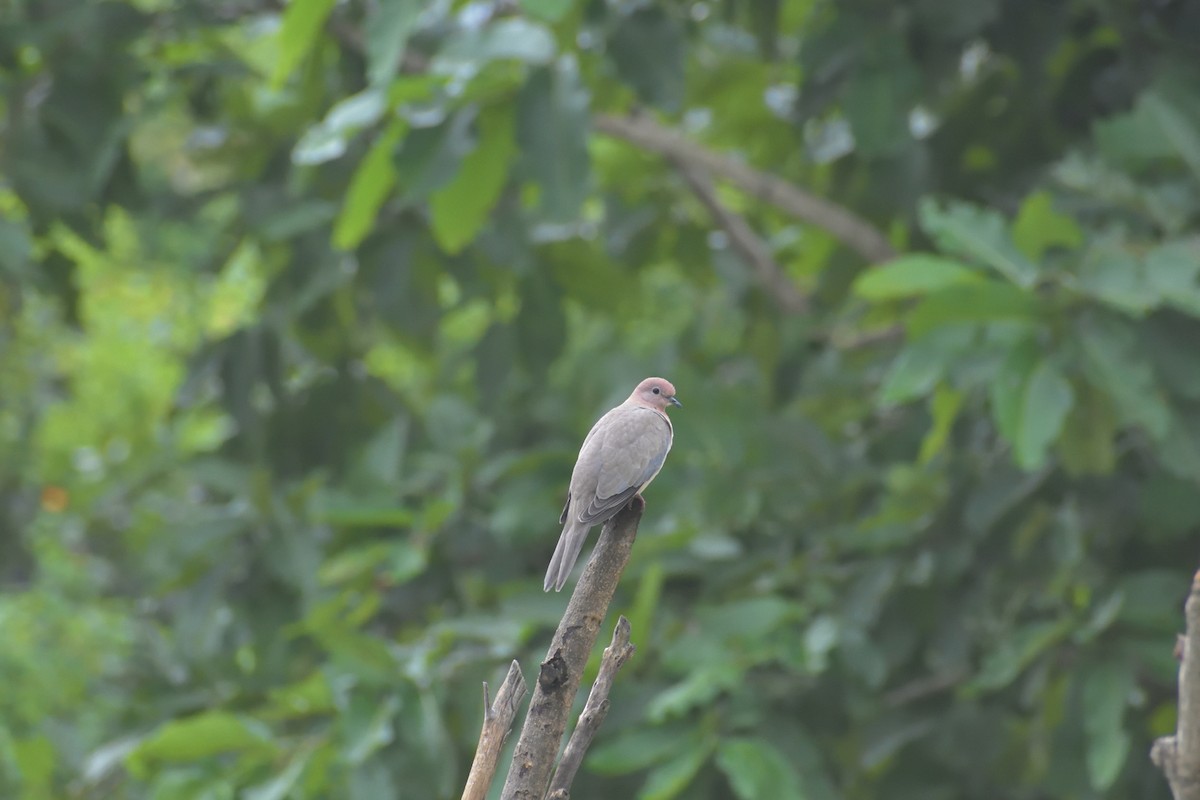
{"x":745,"y":241}
{"x":847,"y":227}
{"x":615,"y":656}
{"x":559,"y":677}
{"x":498,"y":719}
{"x":1178,"y":756}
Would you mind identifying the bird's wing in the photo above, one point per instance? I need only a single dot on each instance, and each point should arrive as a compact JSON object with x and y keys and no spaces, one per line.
{"x":625,"y":451}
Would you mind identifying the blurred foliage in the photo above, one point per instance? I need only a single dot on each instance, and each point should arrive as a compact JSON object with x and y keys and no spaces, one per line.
{"x":305,"y":309}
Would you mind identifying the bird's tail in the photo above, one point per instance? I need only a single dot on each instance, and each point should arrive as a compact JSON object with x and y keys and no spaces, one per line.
{"x":565,"y":553}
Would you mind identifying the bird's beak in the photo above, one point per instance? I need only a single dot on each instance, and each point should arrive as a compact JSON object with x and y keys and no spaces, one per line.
{"x":675,"y":401}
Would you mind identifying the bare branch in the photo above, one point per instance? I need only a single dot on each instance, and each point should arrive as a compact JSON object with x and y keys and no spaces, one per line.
{"x":748,"y":244}
{"x":497,"y":721}
{"x":849,"y":228}
{"x":924,"y":687}
{"x":615,"y":656}
{"x":1178,"y":756}
{"x":558,"y":680}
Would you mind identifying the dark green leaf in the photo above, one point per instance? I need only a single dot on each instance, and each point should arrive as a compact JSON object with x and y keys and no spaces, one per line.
{"x":757,"y":770}
{"x":944,"y":408}
{"x":1039,"y":227}
{"x":388,"y":26}
{"x":200,"y":736}
{"x":302,"y":23}
{"x":460,"y":208}
{"x":979,"y":234}
{"x":909,"y":275}
{"x":517,"y":39}
{"x":1008,"y":388}
{"x":1113,"y":274}
{"x":923,"y":362}
{"x":637,"y":750}
{"x":372,"y":182}
{"x":877,"y":102}
{"x":1176,"y":117}
{"x":671,"y":779}
{"x":1010,"y":656}
{"x":984,"y":301}
{"x":552,"y":132}
{"x":1087,"y":445}
{"x":1174,"y":271}
{"x":1114,"y":363}
{"x":1047,"y":401}
{"x":548,"y":10}
{"x":649,"y":49}
{"x":1106,"y":690}
{"x":327,"y":140}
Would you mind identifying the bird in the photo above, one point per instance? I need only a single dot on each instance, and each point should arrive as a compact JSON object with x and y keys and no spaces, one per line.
{"x":621,"y":454}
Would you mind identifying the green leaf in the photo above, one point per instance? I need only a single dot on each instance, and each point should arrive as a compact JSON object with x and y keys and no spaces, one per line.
{"x":1180,"y":448}
{"x":637,"y":749}
{"x":909,"y":275}
{"x":944,"y":408}
{"x":698,"y":689}
{"x":1180,"y":129}
{"x":757,"y":770}
{"x":1008,"y":388}
{"x":279,"y":787}
{"x":1144,"y":591}
{"x":471,"y":49}
{"x":430,"y":157}
{"x":979,"y":234}
{"x":672,"y":778}
{"x":302,"y":22}
{"x":547,"y":10}
{"x":1106,"y":690}
{"x":877,"y":101}
{"x":388,"y":26}
{"x":649,"y":50}
{"x":1048,"y":399}
{"x":368,"y":726}
{"x":1112,"y":274}
{"x":1114,"y":363}
{"x":369,"y":187}
{"x":1087,"y":443}
{"x":16,"y":247}
{"x":1173,"y":270}
{"x":1038,"y":227}
{"x":460,"y":208}
{"x":984,"y":301}
{"x":200,"y":736}
{"x":1134,"y":139}
{"x":1013,"y":653}
{"x":326,"y":140}
{"x":923,"y":362}
{"x":646,"y":600}
{"x":552,"y":125}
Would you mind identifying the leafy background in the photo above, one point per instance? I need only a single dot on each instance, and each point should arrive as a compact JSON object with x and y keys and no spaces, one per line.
{"x":304,"y":310}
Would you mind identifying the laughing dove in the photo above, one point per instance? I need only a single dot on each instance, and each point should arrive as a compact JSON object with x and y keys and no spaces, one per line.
{"x":620,"y":456}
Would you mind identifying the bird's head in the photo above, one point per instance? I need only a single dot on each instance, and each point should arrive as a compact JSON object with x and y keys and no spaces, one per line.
{"x":657,"y":393}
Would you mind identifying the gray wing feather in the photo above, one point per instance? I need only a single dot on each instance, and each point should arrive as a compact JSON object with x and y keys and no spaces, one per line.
{"x":630,"y":447}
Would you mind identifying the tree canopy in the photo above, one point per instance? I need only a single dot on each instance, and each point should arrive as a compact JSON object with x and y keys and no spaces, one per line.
{"x":305,"y":309}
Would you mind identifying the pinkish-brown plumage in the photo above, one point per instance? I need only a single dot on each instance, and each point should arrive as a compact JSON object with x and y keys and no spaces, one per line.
{"x":620,"y":456}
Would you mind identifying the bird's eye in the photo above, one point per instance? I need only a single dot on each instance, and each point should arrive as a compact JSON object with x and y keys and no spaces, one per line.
{"x":655,"y":390}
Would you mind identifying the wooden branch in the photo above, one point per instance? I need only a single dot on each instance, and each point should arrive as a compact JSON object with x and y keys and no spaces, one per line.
{"x":1178,"y":756}
{"x":615,"y":656}
{"x":748,"y":244}
{"x":497,"y":722}
{"x":924,"y":687}
{"x":558,"y":680}
{"x":847,"y":227}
